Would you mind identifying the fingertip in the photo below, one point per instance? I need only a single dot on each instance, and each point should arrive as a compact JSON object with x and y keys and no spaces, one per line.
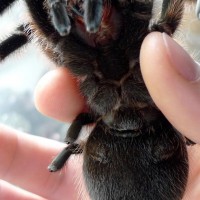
{"x":151,"y":54}
{"x":155,"y":65}
{"x":171,"y":89}
{"x":57,"y":95}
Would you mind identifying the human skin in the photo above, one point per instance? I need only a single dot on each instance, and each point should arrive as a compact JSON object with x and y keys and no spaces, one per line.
{"x":172,"y":78}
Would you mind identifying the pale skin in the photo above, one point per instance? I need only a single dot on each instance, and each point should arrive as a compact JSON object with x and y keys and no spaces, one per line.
{"x":176,"y":91}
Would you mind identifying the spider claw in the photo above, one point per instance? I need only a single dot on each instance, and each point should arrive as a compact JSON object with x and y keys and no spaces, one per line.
{"x":93,"y":14}
{"x":60,"y":17}
{"x":198,"y":9}
{"x":52,"y":168}
{"x":59,"y":161}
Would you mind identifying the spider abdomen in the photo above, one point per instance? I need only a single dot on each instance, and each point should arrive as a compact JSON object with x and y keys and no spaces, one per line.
{"x":139,"y":166}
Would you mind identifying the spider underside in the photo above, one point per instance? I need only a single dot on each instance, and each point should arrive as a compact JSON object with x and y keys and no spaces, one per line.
{"x":133,"y":152}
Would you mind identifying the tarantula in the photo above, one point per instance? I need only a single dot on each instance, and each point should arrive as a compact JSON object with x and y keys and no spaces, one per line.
{"x":133,"y":152}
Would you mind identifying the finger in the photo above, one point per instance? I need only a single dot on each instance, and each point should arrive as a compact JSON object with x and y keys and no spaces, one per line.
{"x":24,"y":160}
{"x":10,"y":192}
{"x":171,"y":77}
{"x":57,"y":95}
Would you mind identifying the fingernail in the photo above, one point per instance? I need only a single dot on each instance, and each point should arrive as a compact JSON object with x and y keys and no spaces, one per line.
{"x":181,"y":60}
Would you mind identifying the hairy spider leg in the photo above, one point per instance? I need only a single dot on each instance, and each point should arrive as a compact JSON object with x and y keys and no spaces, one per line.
{"x":75,"y":128}
{"x":165,"y":5}
{"x":59,"y":16}
{"x":59,"y":161}
{"x":68,"y":45}
{"x":170,"y":17}
{"x":20,"y":38}
{"x":14,"y":42}
{"x":198,"y":9}
{"x":5,"y":4}
{"x":41,"y":17}
{"x":93,"y":11}
{"x":72,"y":134}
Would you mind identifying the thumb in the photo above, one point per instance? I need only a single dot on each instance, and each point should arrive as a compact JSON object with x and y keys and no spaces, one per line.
{"x":173,"y":80}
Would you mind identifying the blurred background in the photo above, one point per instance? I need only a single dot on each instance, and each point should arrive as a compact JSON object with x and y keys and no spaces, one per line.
{"x":20,"y":72}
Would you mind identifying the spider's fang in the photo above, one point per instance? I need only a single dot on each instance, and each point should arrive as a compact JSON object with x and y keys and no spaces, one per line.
{"x":198,"y":9}
{"x":93,"y":10}
{"x":60,"y":19}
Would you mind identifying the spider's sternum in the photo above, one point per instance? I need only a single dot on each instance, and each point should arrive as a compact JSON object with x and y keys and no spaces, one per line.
{"x":113,"y":99}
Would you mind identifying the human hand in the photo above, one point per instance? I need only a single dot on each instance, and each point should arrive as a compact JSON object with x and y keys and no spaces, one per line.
{"x":57,"y":96}
{"x":173,"y":80}
{"x":24,"y":158}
